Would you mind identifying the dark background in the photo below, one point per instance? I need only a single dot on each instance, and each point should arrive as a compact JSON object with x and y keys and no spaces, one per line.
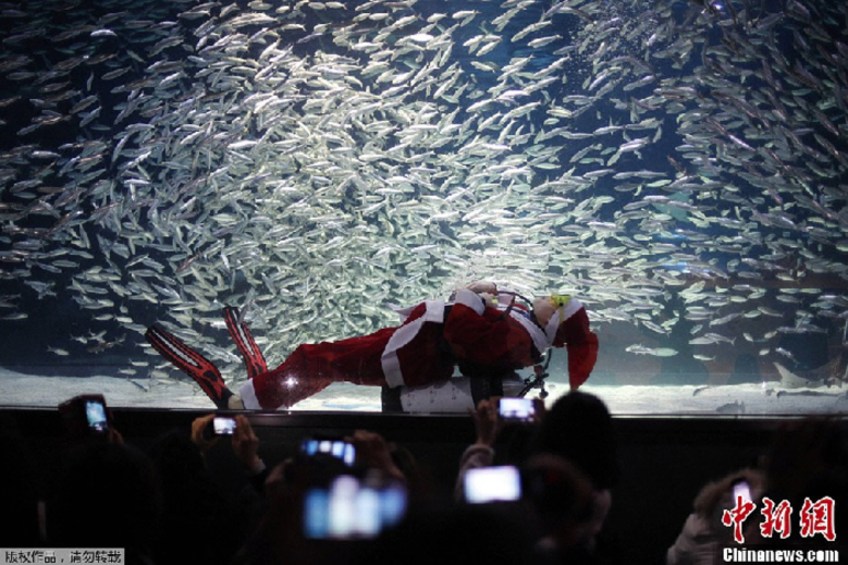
{"x":664,"y":461}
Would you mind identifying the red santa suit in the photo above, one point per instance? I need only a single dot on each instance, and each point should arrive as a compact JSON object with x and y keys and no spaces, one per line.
{"x":434,"y":338}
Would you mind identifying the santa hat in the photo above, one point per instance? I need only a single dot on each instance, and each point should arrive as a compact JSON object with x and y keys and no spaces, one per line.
{"x":569,"y":327}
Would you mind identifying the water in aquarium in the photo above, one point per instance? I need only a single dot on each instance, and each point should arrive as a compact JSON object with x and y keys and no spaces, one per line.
{"x":680,"y":166}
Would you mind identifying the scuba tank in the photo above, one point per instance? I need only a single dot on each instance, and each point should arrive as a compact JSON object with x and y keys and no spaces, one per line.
{"x":460,"y":393}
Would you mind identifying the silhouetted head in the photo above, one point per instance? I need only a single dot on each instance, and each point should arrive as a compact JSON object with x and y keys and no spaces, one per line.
{"x":105,"y":495}
{"x":579,"y":428}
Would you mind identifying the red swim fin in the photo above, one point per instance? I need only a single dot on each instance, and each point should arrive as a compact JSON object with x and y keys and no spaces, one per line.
{"x":192,"y":363}
{"x":254,"y":361}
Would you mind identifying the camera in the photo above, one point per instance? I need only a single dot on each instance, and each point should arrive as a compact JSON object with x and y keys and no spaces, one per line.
{"x":351,"y":507}
{"x":512,"y":409}
{"x":492,"y":484}
{"x":329,"y":447}
{"x":223,"y":425}
{"x":85,"y":415}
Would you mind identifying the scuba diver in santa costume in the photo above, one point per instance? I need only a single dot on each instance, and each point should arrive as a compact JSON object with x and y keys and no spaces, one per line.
{"x":481,"y":331}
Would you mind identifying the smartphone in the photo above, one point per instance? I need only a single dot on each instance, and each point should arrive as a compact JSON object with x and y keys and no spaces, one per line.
{"x":512,"y":409}
{"x":330,"y":447}
{"x":350,"y":508}
{"x":223,"y":425}
{"x":741,"y":489}
{"x":96,"y":416}
{"x":85,"y":415}
{"x":492,"y":484}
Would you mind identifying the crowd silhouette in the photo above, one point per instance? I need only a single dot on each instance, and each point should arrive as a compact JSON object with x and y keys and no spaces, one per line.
{"x":163,"y":504}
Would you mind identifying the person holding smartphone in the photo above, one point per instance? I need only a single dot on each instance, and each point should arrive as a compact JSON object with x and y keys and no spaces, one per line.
{"x":490,"y":420}
{"x":703,"y":535}
{"x":244,"y":441}
{"x":87,"y":418}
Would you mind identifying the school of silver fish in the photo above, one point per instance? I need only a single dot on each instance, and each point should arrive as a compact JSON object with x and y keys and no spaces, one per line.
{"x":314,"y":162}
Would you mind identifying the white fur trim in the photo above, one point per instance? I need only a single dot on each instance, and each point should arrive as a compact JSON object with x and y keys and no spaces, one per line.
{"x":435,"y":312}
{"x":404,"y":312}
{"x":248,"y":396}
{"x":567,"y":311}
{"x":470,"y":299}
{"x":539,"y":338}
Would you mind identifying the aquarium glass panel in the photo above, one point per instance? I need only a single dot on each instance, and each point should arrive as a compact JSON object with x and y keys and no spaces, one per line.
{"x":680,"y":167}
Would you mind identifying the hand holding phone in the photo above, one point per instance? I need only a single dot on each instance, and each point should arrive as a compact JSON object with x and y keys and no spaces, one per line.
{"x":220,"y":425}
{"x":224,"y":425}
{"x":352,"y":508}
{"x":329,"y":447}
{"x":519,"y":410}
{"x":86,"y":415}
{"x":492,"y":484}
